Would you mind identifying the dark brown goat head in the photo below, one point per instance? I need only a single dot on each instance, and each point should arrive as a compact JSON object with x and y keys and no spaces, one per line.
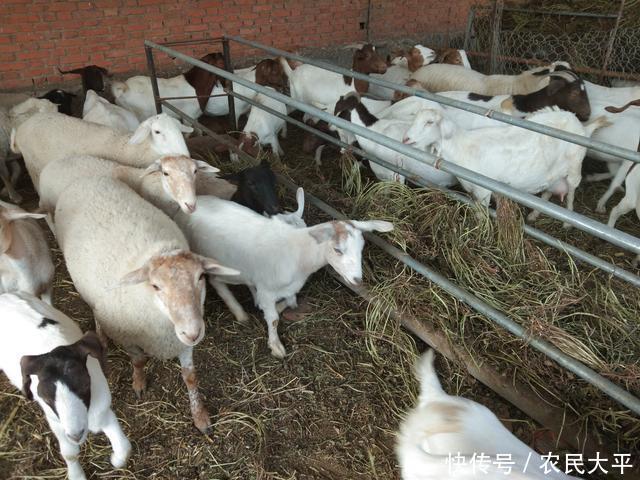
{"x":203,"y":81}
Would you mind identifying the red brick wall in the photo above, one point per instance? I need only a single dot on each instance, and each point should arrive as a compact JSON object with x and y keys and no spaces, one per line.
{"x":38,"y":35}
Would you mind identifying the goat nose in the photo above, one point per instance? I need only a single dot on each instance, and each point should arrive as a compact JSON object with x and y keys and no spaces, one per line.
{"x":405,"y":140}
{"x":191,"y":207}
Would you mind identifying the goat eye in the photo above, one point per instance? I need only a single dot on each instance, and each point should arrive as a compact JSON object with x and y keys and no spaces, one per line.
{"x":165,"y":174}
{"x":155,"y":287}
{"x":157,"y":132}
{"x":337,"y":250}
{"x":195,"y":171}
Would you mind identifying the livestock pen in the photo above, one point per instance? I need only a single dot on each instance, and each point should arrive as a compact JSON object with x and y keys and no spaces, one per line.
{"x":544,"y":317}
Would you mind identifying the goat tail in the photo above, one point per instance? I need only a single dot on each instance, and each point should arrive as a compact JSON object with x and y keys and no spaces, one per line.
{"x":426,"y":374}
{"x":286,"y":67}
{"x":12,"y":142}
{"x":595,"y":124}
{"x":118,"y":89}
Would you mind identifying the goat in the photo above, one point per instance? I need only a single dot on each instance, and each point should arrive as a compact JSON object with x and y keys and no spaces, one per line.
{"x":442,"y":426}
{"x":452,"y":56}
{"x":630,"y":201}
{"x":520,"y":158}
{"x":92,"y":77}
{"x":279,"y":264}
{"x":439,"y":77}
{"x":322,"y":89}
{"x":565,"y":91}
{"x":25,"y":258}
{"x":136,"y":94}
{"x":400,"y":71}
{"x":61,"y":98}
{"x":623,"y":131}
{"x":99,"y":110}
{"x":350,"y":108}
{"x":256,"y":188}
{"x":45,"y":355}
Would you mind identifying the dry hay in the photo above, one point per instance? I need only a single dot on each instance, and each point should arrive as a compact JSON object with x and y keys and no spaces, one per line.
{"x":586,"y":314}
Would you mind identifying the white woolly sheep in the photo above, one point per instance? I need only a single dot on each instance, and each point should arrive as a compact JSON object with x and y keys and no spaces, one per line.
{"x":440,"y":77}
{"x":523,"y":159}
{"x":441,"y":427}
{"x":277,"y":266}
{"x":25,"y":258}
{"x":8,"y":121}
{"x":51,"y":136}
{"x":44,"y":354}
{"x":132,"y":265}
{"x":168,"y":183}
{"x":99,"y":110}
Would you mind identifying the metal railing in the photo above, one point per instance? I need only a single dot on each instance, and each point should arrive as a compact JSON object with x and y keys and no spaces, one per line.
{"x":588,"y":225}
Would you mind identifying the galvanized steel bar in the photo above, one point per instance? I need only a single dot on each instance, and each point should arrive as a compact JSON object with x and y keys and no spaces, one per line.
{"x":502,"y":117}
{"x":614,"y":391}
{"x":561,"y":13}
{"x":552,"y":352}
{"x":575,"y":252}
{"x":226,"y":53}
{"x":154,"y":78}
{"x":589,"y":225}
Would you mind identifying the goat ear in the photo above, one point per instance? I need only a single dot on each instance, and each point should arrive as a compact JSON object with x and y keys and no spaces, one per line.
{"x":185,"y":128}
{"x":323,"y":232}
{"x":213,"y":266}
{"x":447,"y":128}
{"x":555,"y":85}
{"x":205,"y":167}
{"x":372,"y":225}
{"x":141,"y":133}
{"x":154,"y":167}
{"x":90,"y":344}
{"x":137,"y":276}
{"x":29,"y":365}
{"x":300,"y":200}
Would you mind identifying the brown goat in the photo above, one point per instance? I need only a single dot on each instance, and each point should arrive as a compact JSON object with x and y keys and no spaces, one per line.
{"x":203,"y":81}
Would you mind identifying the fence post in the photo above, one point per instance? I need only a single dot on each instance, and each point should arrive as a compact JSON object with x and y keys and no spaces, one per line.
{"x":228,"y":66}
{"x":612,"y":39}
{"x":467,"y":33}
{"x":495,"y":35}
{"x":154,"y":78}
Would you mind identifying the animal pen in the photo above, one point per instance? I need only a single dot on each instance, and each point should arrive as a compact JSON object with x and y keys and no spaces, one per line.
{"x":570,"y":425}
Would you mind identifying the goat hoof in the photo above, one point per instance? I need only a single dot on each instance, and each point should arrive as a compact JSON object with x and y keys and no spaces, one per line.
{"x":203,"y":424}
{"x":119,"y":460}
{"x":140,"y":391}
{"x":601,"y":209}
{"x":277,"y":350}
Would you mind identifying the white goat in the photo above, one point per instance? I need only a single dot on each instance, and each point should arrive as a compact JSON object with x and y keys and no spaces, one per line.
{"x":169,"y":182}
{"x":322,"y":88}
{"x":351,"y":109}
{"x":99,"y":110}
{"x":525,"y":160}
{"x":623,"y":131}
{"x":443,"y":428}
{"x":50,"y":136}
{"x":44,"y":354}
{"x":25,"y":258}
{"x":630,"y":201}
{"x":277,"y":266}
{"x":441,"y":77}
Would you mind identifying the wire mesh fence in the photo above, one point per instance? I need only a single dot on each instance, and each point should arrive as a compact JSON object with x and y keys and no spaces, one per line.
{"x":582,"y":41}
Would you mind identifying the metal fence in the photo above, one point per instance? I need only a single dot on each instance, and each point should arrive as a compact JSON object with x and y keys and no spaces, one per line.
{"x":584,"y":223}
{"x":599,"y":48}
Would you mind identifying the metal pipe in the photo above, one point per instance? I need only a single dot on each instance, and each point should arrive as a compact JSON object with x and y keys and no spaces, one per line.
{"x":591,"y":226}
{"x":154,"y":78}
{"x":580,"y":370}
{"x":502,"y":117}
{"x":194,"y":41}
{"x":562,"y":13}
{"x":193,"y":96}
{"x":228,"y":66}
{"x":576,"y":252}
{"x":467,"y":33}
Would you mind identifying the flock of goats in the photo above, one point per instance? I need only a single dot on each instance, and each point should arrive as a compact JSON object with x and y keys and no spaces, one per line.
{"x":141,"y":224}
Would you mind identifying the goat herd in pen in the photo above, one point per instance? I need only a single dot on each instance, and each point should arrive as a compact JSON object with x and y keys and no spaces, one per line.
{"x":142,"y":225}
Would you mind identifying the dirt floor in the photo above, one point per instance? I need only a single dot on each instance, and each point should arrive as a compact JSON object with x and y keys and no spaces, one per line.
{"x":329,"y":411}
